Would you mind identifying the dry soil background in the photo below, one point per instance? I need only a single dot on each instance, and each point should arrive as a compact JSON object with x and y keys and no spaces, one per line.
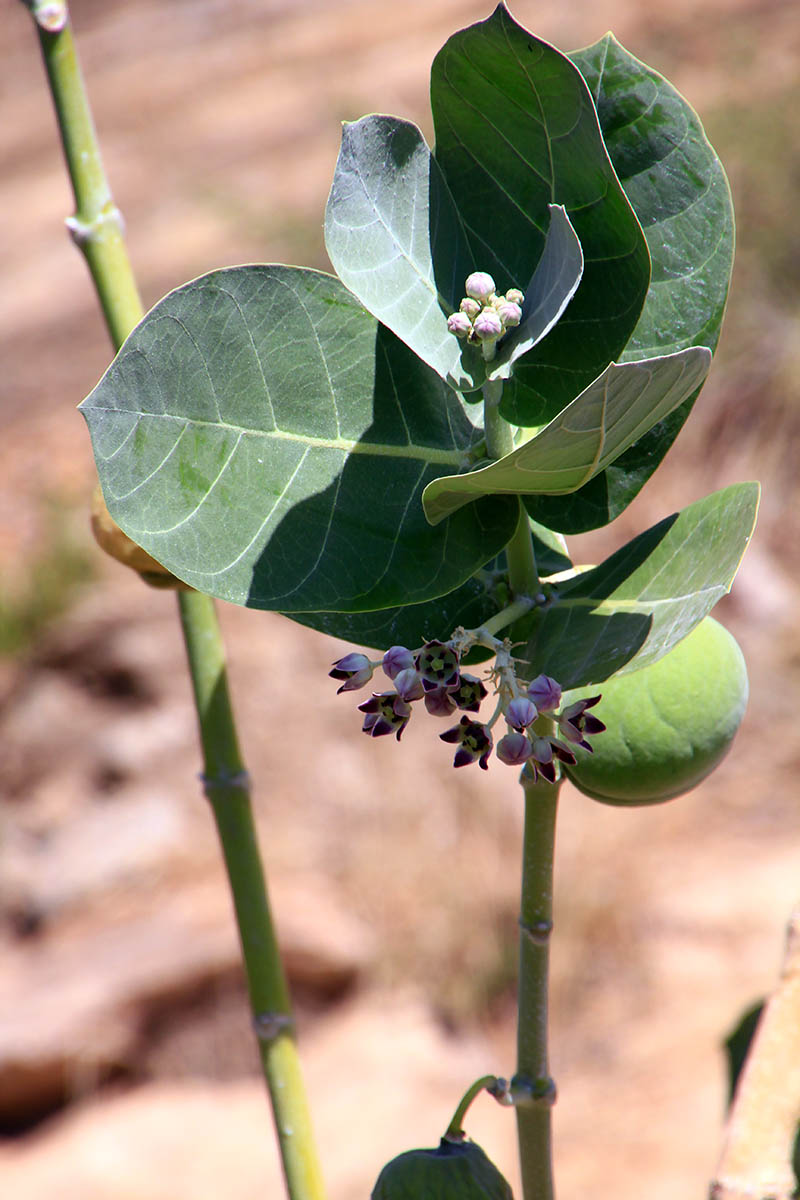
{"x":126,"y":1064}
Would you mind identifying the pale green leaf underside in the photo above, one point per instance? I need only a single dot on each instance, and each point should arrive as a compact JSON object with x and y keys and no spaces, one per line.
{"x":264,"y":438}
{"x":395,"y":239}
{"x":639,"y":603}
{"x":550,"y":290}
{"x":589,"y":434}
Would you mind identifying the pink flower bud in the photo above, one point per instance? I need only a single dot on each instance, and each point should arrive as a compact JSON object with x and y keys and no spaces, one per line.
{"x":479,"y":286}
{"x":487,"y":326}
{"x":459,"y":324}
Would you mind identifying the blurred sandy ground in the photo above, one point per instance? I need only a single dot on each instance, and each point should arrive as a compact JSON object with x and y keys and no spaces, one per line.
{"x":220,"y":127}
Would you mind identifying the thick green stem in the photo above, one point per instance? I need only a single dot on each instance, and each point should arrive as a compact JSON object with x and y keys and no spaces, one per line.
{"x":533,"y":1089}
{"x":227,"y":788}
{"x":96,"y":226}
{"x":97,"y":230}
{"x":522,"y":573}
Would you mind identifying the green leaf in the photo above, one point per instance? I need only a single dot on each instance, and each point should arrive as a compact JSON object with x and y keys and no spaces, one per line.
{"x":678,"y":189}
{"x":395,"y":239}
{"x":592,"y":431}
{"x":646,"y":597}
{"x":268,"y":441}
{"x":469,"y":605}
{"x":554,"y":283}
{"x":516,"y":131}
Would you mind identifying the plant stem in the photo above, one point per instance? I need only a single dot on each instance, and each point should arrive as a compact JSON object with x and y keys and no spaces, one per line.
{"x":227,"y":787}
{"x":96,"y":227}
{"x":487,"y":1083}
{"x":533,"y":1089}
{"x":97,"y":230}
{"x":523,"y":576}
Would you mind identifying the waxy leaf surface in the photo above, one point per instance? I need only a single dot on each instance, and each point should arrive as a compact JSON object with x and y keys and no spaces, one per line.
{"x":677,"y":186}
{"x":469,"y":605}
{"x":394,"y":237}
{"x":554,"y":283}
{"x":646,"y":597}
{"x":264,"y":438}
{"x":592,"y":431}
{"x":516,"y":130}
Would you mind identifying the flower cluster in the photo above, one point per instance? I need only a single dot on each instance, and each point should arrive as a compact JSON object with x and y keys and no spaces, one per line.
{"x":432,"y":673}
{"x":483,"y":316}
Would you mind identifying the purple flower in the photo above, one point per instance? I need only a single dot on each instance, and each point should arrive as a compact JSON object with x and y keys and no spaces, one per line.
{"x":514,"y":749}
{"x":386,"y":713}
{"x":576,"y":726}
{"x":479,"y":286}
{"x":474,"y":742}
{"x":544,"y":751}
{"x":521,"y":713}
{"x":395,"y":660}
{"x":469,"y":693}
{"x":409,"y":685}
{"x":354,"y":669}
{"x":545,"y":693}
{"x":440,"y":703}
{"x":437,"y":664}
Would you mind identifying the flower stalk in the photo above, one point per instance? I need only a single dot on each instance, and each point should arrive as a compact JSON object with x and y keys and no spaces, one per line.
{"x":97,"y":230}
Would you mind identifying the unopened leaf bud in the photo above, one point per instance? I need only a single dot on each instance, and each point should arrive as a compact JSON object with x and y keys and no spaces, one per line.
{"x":354,"y":669}
{"x":521,"y":713}
{"x":395,"y":660}
{"x":487,"y":326}
{"x":479,"y":286}
{"x":470,"y":307}
{"x":459,"y":324}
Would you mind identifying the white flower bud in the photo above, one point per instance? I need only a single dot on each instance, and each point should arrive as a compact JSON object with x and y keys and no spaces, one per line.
{"x":470,"y":307}
{"x":459,"y":324}
{"x":514,"y":295}
{"x":509,"y":313}
{"x":487,"y":326}
{"x":479,"y":286}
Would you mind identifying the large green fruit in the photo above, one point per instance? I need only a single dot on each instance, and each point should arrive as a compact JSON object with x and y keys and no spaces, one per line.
{"x":453,"y":1171}
{"x":668,"y":725}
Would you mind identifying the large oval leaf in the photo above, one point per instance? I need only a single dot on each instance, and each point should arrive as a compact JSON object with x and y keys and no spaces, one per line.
{"x":646,"y":597}
{"x":677,"y":186}
{"x":516,"y":130}
{"x":264,"y":438}
{"x":591,"y":432}
{"x":469,"y":605}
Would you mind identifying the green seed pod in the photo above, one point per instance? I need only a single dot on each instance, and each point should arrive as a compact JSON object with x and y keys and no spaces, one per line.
{"x":668,"y":725}
{"x":453,"y":1171}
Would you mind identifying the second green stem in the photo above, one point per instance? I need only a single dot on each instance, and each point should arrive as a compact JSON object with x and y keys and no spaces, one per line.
{"x":533,"y":1089}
